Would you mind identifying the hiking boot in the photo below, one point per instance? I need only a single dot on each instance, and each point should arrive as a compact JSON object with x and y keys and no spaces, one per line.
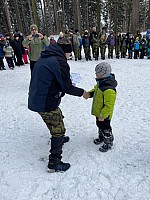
{"x":60,"y":167}
{"x":55,"y":164}
{"x":66,"y":139}
{"x":100,"y":139}
{"x":106,"y":147}
{"x":108,"y":140}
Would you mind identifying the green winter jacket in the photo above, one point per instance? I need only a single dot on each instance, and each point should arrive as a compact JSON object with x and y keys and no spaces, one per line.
{"x":104,"y":96}
{"x":35,"y":45}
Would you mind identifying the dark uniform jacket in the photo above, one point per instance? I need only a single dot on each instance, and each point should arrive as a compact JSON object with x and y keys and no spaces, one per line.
{"x":50,"y":81}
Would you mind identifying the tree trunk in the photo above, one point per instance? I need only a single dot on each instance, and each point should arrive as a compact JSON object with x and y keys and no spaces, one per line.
{"x":25,"y":28}
{"x":57,"y":22}
{"x":34,"y":10}
{"x":128,"y":15}
{"x":7,"y":15}
{"x":148,"y":19}
{"x":77,"y":19}
{"x":30,"y":10}
{"x":135,"y":16}
{"x":98,"y":15}
{"x":18,"y":16}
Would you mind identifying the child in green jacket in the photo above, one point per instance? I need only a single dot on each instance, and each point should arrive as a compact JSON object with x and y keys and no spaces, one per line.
{"x":104,"y":96}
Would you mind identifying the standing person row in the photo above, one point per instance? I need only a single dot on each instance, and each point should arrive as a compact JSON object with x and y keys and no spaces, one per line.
{"x":36,"y":43}
{"x":20,"y":54}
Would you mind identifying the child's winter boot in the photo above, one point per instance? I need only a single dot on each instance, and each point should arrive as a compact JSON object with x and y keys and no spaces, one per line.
{"x":108,"y":140}
{"x":66,"y":139}
{"x":100,"y":139}
{"x":55,"y":164}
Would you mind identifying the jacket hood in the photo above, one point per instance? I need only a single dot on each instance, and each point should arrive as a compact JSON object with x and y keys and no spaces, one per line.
{"x":53,"y":50}
{"x":107,"y":83}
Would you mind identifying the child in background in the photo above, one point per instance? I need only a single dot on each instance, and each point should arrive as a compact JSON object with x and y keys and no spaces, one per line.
{"x":52,"y":40}
{"x":9,"y":54}
{"x":136,"y":48}
{"x":104,"y":96}
{"x":25,"y":55}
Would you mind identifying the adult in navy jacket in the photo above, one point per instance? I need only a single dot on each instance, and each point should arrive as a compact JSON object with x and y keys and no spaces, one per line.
{"x":49,"y":82}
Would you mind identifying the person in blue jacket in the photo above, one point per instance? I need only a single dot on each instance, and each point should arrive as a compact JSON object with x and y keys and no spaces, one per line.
{"x":136,"y":48}
{"x":49,"y":83}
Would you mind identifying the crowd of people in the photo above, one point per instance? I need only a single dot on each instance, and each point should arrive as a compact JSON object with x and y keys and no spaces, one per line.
{"x":19,"y":50}
{"x":51,"y":79}
{"x":125,"y":45}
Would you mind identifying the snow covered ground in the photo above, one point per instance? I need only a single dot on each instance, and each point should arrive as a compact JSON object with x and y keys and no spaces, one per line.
{"x":120,"y":174}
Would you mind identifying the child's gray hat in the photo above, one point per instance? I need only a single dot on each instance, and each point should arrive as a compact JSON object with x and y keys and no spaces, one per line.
{"x":103,"y":70}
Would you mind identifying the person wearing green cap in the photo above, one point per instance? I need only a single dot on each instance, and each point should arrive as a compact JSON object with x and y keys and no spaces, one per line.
{"x":36,"y":43}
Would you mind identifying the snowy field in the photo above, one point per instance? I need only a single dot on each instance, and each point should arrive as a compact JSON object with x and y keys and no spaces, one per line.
{"x":120,"y":174}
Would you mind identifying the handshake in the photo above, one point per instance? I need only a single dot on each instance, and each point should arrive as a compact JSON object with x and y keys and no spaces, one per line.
{"x":86,"y":94}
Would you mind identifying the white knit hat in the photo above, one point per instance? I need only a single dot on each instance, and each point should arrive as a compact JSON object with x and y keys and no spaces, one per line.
{"x":103,"y":70}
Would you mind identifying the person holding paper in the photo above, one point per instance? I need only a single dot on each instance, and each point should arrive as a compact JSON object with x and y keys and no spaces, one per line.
{"x":49,"y":83}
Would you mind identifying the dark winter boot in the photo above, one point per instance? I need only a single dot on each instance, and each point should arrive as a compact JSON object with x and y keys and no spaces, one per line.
{"x":66,"y":139}
{"x":100,"y":139}
{"x":55,"y":164}
{"x":108,"y":140}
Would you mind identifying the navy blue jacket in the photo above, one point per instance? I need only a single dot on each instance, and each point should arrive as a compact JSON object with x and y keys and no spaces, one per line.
{"x":50,"y":80}
{"x":2,"y":44}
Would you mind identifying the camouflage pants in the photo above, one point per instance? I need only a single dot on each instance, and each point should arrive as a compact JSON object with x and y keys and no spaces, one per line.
{"x":117,"y":51}
{"x":102,"y":50}
{"x":110,"y":51}
{"x":123,"y":52}
{"x":87,"y":52}
{"x":77,"y":53}
{"x":96,"y":52}
{"x":54,"y":122}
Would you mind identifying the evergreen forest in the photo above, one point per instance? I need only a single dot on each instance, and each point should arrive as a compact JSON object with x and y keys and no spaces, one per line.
{"x":53,"y":16}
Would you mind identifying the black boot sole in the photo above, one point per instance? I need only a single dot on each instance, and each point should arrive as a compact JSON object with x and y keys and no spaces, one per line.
{"x":56,"y":169}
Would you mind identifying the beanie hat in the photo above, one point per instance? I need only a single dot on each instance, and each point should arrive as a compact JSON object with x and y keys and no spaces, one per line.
{"x":33,"y":27}
{"x":76,"y":30}
{"x":16,"y":35}
{"x":61,"y":34}
{"x":103,"y":69}
{"x":7,"y":35}
{"x":65,"y":44}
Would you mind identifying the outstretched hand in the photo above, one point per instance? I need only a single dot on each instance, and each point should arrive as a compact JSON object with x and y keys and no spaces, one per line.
{"x":86,"y":94}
